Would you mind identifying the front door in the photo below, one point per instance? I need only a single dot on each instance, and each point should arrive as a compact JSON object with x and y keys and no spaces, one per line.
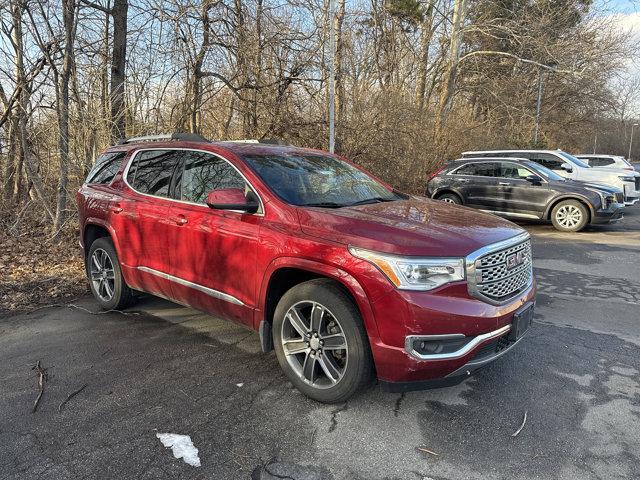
{"x":214,"y":254}
{"x":519,"y":195}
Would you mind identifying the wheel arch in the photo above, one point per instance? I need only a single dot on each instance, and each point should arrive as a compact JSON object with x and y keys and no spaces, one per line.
{"x":583,"y":200}
{"x":286,"y":272}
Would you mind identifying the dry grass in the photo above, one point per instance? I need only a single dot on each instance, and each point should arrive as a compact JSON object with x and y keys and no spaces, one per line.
{"x":39,"y":271}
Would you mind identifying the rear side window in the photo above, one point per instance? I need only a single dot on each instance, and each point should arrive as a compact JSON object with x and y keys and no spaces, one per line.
{"x":105,"y":169}
{"x":482,"y":169}
{"x":151,"y":171}
{"x":203,"y":173}
{"x":600,"y":161}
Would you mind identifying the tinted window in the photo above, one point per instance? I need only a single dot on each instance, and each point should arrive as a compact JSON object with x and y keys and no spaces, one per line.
{"x":469,"y":169}
{"x":203,"y":173}
{"x":487,"y":169}
{"x":321,"y":180}
{"x":151,"y":171}
{"x":547,"y":160}
{"x":513,"y":170}
{"x":106,"y":167}
{"x":601,"y":161}
{"x":480,"y":169}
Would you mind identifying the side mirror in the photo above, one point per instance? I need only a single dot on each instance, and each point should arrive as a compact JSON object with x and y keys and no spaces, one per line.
{"x":566,"y":167}
{"x":534,"y":179}
{"x":233,"y":199}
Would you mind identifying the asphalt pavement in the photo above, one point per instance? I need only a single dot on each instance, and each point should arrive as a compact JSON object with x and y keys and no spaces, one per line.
{"x":162,"y":368}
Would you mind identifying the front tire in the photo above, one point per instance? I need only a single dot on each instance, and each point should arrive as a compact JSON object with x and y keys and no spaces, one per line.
{"x":450,"y":198}
{"x":321,"y":343}
{"x":105,"y":276}
{"x":569,"y":216}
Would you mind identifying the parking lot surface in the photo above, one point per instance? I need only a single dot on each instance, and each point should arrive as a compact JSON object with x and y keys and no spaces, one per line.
{"x":162,"y":368}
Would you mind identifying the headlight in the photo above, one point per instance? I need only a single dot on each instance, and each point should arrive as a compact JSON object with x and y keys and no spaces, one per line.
{"x":627,"y":179}
{"x":414,"y":273}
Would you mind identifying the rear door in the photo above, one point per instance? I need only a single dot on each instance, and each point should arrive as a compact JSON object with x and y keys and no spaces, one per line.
{"x":144,"y":218}
{"x":519,"y":195}
{"x":214,"y":251}
{"x":479,"y":184}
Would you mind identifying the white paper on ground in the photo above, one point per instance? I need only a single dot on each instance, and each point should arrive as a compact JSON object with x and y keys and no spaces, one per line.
{"x":181,"y":446}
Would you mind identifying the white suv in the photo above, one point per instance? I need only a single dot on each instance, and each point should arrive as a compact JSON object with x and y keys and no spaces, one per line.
{"x":605,"y":161}
{"x":571,"y":167}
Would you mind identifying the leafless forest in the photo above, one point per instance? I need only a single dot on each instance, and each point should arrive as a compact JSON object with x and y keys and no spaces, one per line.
{"x":417,"y":82}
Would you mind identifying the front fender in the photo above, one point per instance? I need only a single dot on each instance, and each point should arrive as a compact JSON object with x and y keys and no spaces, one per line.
{"x":330,"y":271}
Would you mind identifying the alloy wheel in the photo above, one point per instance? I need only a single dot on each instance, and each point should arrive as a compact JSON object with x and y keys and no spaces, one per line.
{"x":314,"y":344}
{"x":568,"y":216}
{"x":448,"y":200}
{"x":102,"y":274}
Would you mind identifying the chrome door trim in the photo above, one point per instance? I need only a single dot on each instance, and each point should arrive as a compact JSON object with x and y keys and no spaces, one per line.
{"x":186,"y":283}
{"x":461,"y":352}
{"x":511,"y":214}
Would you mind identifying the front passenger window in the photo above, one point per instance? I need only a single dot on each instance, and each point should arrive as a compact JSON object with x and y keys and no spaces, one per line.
{"x":203,"y":173}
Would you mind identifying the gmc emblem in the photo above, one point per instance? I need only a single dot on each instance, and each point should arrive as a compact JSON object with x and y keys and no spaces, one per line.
{"x":515,"y":259}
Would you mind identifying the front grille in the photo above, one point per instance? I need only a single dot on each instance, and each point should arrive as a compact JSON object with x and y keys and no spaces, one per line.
{"x":502,"y":274}
{"x":637,"y":183}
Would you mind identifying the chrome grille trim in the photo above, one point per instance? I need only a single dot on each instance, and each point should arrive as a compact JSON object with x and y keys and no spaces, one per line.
{"x":488,"y":277}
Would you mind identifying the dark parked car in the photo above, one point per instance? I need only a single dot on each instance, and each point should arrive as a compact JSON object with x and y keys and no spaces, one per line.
{"x":520,"y":188}
{"x":344,"y":277}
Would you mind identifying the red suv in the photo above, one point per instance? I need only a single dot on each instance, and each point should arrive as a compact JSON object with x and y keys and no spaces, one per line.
{"x":345,"y":277}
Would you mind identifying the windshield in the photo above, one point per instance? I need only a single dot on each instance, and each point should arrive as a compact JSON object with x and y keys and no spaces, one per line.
{"x":318,"y":180}
{"x":545,"y":172}
{"x":573,"y":159}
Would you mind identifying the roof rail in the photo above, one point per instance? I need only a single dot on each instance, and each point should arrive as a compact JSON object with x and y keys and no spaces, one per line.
{"x":265,"y":141}
{"x":185,"y":137}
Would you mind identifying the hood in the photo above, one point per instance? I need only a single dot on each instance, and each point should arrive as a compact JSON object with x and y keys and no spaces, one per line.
{"x":418,"y":226}
{"x":577,"y":186}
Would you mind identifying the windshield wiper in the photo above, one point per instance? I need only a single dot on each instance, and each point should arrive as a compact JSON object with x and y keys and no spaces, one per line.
{"x":323,"y":205}
{"x":372,"y":200}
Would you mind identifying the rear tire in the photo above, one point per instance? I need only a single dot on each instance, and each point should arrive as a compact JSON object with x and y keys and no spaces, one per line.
{"x":450,"y":198}
{"x":105,"y":276}
{"x":569,"y":216}
{"x":321,"y":343}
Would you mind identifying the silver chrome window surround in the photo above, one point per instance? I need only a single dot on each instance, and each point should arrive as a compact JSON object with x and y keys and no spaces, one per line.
{"x":470,"y":266}
{"x":125,"y":173}
{"x":461,"y":352}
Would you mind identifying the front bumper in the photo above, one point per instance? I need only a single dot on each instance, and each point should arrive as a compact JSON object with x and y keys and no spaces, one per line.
{"x":449,"y":314}
{"x":612,"y":214}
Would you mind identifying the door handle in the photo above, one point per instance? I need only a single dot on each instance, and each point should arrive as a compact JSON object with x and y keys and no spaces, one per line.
{"x":463,"y":180}
{"x":504,"y":183}
{"x":181,"y":220}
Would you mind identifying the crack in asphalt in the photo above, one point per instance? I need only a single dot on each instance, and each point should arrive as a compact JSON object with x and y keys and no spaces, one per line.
{"x":334,"y":416}
{"x":400,"y":399}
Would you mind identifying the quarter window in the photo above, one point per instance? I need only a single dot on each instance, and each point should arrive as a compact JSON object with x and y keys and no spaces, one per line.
{"x":203,"y":173}
{"x":151,"y":171}
{"x":105,"y":169}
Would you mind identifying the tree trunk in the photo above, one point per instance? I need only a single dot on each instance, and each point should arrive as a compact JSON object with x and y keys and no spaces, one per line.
{"x":423,"y":60}
{"x":451,"y":72}
{"x":118,"y":65}
{"x":68,"y":15}
{"x":340,"y":98}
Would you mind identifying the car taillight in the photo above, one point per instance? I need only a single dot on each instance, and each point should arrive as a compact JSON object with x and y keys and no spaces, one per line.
{"x":435,"y":173}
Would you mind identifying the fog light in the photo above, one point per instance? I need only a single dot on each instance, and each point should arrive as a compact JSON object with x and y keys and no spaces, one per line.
{"x":437,"y":346}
